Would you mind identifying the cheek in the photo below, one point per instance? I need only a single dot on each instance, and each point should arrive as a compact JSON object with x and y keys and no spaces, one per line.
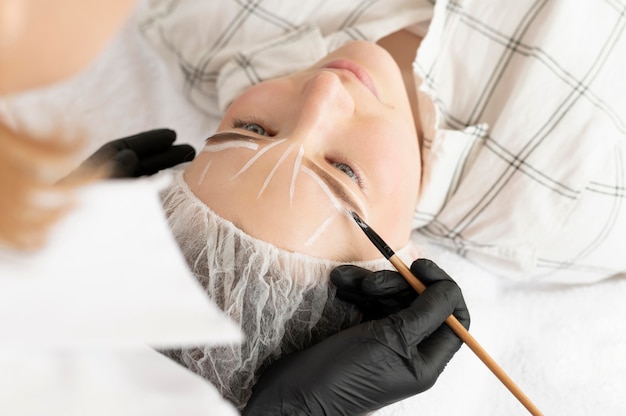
{"x":404,"y":185}
{"x":395,"y":193}
{"x":403,"y":181}
{"x":393,"y":164}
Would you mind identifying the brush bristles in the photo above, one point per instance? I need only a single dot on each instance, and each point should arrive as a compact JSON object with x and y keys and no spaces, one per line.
{"x":373,"y":237}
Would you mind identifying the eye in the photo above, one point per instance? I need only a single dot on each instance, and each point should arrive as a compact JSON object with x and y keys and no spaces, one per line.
{"x":255,"y":128}
{"x":347,"y":170}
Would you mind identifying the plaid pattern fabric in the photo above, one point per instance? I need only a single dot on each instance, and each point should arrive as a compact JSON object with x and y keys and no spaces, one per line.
{"x":217,"y":49}
{"x":537,"y":189}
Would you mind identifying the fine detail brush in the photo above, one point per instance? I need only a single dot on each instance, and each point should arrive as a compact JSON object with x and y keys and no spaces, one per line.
{"x":451,"y":321}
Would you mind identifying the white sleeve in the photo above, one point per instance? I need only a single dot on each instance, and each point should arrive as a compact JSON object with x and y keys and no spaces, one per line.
{"x":111,"y":274}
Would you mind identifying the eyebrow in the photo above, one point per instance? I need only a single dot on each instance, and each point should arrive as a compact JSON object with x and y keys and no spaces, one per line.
{"x":335,"y":186}
{"x":232,"y":135}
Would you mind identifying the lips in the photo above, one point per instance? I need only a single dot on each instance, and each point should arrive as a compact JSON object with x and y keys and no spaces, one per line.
{"x":358,"y":71}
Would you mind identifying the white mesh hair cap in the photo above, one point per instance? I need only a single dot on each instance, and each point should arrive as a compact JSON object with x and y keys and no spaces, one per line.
{"x":282,"y":300}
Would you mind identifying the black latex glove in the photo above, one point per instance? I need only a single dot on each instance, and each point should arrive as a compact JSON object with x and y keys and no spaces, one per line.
{"x":133,"y":156}
{"x":375,"y":363}
{"x":375,"y":294}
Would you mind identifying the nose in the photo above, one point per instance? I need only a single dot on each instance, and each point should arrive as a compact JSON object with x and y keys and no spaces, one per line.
{"x":325,"y":101}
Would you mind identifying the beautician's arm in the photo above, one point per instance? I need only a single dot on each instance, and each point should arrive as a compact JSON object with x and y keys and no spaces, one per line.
{"x":397,"y":354}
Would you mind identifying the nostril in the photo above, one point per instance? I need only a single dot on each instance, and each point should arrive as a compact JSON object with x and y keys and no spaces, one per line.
{"x":325,"y":89}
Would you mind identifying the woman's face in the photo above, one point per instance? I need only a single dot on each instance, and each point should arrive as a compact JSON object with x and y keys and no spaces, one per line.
{"x":292,"y":154}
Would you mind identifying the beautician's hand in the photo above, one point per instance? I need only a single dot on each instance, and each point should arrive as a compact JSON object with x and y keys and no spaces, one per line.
{"x":377,"y":362}
{"x":142,"y":154}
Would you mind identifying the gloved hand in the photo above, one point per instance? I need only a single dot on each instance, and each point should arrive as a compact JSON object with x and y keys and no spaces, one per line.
{"x":376,"y":362}
{"x":138,"y":155}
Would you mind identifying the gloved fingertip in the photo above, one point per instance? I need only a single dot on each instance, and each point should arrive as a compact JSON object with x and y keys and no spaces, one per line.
{"x":166,"y":132}
{"x":423,"y":263}
{"x":161,"y":133}
{"x":150,"y":142}
{"x":441,"y":282}
{"x":172,"y":156}
{"x":428,"y":271}
{"x":165,"y":135}
{"x":447,"y":294}
{"x":190,"y":152}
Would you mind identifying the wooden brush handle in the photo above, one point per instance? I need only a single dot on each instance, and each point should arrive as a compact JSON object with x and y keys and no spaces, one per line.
{"x":468,"y":339}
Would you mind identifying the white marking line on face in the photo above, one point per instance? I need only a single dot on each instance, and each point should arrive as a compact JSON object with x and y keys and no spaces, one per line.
{"x":218,"y":147}
{"x":322,"y":185}
{"x":318,"y":232}
{"x":274,"y":169}
{"x":296,"y":169}
{"x":204,"y":172}
{"x":256,"y":157}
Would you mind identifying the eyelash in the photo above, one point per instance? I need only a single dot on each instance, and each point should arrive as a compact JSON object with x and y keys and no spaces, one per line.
{"x":351,"y":173}
{"x":242,"y":124}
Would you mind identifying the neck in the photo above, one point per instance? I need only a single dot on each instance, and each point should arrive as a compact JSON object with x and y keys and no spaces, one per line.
{"x":403,"y":46}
